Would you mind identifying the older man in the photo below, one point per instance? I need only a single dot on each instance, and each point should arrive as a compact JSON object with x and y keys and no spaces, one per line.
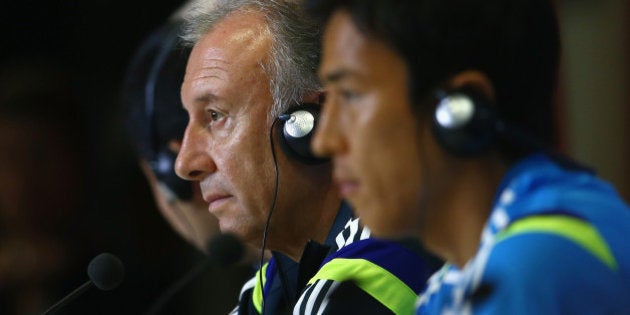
{"x":251,"y":62}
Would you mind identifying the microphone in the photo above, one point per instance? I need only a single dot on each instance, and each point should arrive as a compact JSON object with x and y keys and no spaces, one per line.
{"x":222,"y":250}
{"x":105,"y":271}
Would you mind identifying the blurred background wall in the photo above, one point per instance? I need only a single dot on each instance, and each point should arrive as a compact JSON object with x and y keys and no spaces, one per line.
{"x":82,"y":49}
{"x":596,"y":85}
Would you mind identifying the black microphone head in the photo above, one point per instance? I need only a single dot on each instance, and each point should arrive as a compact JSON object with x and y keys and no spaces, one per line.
{"x":106,"y":271}
{"x":225,"y":250}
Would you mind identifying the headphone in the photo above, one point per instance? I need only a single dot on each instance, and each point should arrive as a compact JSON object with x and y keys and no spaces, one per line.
{"x":295,"y":131}
{"x":464,"y":122}
{"x":162,"y":161}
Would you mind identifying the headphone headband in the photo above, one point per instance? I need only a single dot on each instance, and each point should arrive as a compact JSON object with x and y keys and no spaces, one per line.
{"x":162,"y":162}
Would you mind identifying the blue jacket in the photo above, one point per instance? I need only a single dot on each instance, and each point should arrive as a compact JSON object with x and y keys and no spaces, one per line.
{"x":556,"y":242}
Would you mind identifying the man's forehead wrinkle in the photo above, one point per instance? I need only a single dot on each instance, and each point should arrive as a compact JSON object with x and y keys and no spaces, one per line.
{"x":233,"y":50}
{"x":214,"y":55}
{"x":212,"y":70}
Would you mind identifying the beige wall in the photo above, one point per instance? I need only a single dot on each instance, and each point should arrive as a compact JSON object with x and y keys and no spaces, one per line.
{"x":596,"y":85}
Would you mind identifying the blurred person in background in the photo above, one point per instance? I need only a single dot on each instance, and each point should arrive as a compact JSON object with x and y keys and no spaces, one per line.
{"x":155,"y":125}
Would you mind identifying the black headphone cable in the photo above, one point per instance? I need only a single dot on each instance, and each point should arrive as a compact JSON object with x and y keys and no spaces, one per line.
{"x":273,"y":205}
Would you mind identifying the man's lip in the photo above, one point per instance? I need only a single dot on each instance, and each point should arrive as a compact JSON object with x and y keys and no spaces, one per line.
{"x":214,"y":200}
{"x":346,"y":183}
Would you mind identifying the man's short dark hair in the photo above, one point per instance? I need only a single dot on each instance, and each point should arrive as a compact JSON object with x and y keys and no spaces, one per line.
{"x":514,"y":42}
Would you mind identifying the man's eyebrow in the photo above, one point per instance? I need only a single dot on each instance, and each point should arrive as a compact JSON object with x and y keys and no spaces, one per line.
{"x":335,"y":76}
{"x":205,"y":97}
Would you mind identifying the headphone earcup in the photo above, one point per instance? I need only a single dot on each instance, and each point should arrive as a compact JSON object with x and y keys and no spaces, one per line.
{"x":464,"y":123}
{"x":163,"y":166}
{"x":295,"y":131}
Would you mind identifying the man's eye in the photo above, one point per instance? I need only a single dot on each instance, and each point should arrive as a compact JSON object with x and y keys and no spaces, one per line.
{"x":349,"y":95}
{"x":215,"y":116}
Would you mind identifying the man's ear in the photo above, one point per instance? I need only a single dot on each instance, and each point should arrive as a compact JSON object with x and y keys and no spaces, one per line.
{"x":475,"y":79}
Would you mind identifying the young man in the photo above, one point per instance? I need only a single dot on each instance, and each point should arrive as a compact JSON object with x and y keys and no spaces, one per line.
{"x":439,"y":118}
{"x":251,"y":62}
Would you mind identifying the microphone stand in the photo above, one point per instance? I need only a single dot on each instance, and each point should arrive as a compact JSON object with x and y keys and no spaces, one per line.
{"x":78,"y":291}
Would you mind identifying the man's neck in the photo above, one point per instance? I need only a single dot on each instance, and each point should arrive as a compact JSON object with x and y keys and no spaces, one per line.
{"x":453,"y":229}
{"x":316,"y":229}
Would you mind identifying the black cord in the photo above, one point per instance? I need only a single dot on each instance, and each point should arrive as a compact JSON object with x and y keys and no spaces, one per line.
{"x":273,"y":205}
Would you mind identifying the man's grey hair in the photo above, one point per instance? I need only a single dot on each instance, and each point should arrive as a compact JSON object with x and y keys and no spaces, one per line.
{"x":295,"y":48}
